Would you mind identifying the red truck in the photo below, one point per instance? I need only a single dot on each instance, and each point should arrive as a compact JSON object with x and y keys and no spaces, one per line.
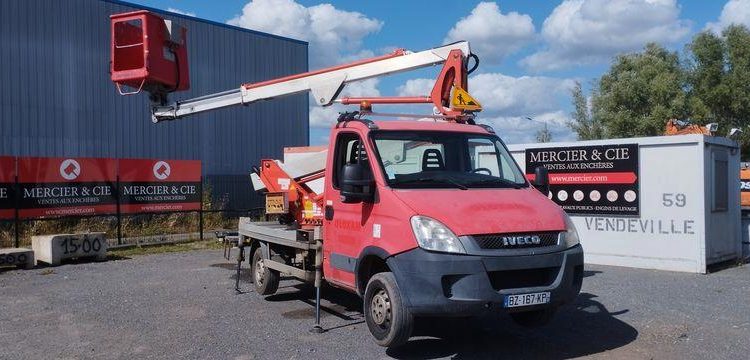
{"x":419,"y":218}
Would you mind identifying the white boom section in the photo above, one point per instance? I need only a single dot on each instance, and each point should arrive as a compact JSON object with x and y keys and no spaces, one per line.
{"x":325,"y":85}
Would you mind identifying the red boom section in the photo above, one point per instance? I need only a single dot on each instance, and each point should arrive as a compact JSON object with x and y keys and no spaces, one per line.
{"x":148,"y":53}
{"x":304,"y":204}
{"x":454,"y":74}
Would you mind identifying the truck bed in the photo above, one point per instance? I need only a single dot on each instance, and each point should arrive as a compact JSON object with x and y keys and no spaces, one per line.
{"x":267,"y":232}
{"x":272,"y":232}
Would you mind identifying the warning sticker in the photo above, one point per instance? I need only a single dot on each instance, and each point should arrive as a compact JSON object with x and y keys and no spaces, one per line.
{"x":463,"y":101}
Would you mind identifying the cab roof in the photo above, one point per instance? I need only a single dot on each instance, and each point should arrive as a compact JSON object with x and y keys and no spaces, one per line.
{"x":423,"y":125}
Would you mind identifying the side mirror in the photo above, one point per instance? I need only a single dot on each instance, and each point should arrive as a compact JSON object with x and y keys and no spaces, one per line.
{"x":357,"y":184}
{"x":541,"y":180}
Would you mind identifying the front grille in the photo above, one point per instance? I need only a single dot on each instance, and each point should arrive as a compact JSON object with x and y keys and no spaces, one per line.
{"x":515,"y":279}
{"x":517,"y":240}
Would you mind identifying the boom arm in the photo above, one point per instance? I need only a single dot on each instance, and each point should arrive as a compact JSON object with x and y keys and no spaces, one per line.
{"x":325,"y":84}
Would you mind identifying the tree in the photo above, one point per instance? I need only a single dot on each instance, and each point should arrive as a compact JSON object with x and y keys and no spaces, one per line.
{"x":544,"y":135}
{"x":586,"y":126}
{"x":719,"y":79}
{"x":640,"y":92}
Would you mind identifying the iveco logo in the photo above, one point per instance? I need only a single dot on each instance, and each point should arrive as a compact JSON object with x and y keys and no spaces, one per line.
{"x":521,"y":240}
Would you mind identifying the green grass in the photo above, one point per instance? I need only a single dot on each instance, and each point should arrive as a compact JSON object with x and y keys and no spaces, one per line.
{"x":159,"y":249}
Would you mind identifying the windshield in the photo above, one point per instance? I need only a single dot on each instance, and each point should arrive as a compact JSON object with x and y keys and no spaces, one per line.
{"x":422,"y":159}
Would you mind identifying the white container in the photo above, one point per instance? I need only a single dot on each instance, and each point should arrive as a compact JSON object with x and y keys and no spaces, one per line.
{"x":700,"y":229}
{"x":52,"y":249}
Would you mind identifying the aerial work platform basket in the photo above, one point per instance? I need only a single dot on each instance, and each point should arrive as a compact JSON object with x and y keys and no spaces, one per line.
{"x":148,"y":53}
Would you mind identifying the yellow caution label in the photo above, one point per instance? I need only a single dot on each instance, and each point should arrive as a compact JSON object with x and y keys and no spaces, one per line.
{"x":463,"y":101}
{"x":308,"y":212}
{"x":276,"y":203}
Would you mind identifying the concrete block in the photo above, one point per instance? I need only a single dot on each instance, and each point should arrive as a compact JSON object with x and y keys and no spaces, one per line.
{"x":52,"y":249}
{"x":17,"y":257}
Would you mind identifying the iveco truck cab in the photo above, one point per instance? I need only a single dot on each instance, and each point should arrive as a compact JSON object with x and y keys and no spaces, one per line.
{"x":430,"y":218}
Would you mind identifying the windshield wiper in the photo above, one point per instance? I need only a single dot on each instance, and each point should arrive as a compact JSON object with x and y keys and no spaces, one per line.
{"x":502,"y":181}
{"x":433,"y":180}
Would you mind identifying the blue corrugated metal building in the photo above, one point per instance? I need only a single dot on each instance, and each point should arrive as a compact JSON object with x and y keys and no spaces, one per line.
{"x":56,"y":98}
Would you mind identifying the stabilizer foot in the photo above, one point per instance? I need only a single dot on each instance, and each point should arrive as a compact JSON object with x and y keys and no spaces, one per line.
{"x":317,"y":329}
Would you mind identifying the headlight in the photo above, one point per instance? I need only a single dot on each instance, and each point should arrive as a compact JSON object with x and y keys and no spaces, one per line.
{"x":570,"y":236}
{"x":433,"y":235}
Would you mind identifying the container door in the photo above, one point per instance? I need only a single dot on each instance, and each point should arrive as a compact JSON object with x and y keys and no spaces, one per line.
{"x":345,"y":224}
{"x":723,"y":219}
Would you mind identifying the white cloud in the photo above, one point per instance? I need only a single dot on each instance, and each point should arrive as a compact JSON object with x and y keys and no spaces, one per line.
{"x":493,"y":35}
{"x":734,"y":12}
{"x":334,"y":35}
{"x":589,"y":31}
{"x":178,"y":11}
{"x":416,"y":87}
{"x":325,"y":117}
{"x":507,"y":102}
{"x":520,"y":130}
{"x":518,"y":96}
{"x":505,"y":95}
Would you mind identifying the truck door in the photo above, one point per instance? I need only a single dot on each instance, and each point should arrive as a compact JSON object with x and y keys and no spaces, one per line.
{"x":345,"y":224}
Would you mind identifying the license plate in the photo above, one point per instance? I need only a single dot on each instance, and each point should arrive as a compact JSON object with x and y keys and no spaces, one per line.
{"x":526,"y":299}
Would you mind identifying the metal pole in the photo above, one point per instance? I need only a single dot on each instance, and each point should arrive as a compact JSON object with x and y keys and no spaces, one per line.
{"x":119,"y":211}
{"x":17,"y":224}
{"x":200,"y":215}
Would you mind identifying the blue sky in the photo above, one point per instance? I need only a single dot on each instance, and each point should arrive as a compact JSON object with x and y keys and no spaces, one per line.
{"x":532,"y":52}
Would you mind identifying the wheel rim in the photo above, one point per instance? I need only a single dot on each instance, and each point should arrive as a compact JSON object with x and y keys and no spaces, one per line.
{"x":380,"y":308}
{"x":260,"y":269}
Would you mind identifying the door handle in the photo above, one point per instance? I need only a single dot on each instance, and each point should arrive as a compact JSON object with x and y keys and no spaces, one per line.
{"x":329,"y":212}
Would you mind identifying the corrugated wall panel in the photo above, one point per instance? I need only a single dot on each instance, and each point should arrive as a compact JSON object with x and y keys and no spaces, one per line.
{"x":56,"y":98}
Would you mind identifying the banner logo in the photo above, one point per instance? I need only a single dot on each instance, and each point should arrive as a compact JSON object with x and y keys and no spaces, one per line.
{"x":162,"y":170}
{"x":70,"y":169}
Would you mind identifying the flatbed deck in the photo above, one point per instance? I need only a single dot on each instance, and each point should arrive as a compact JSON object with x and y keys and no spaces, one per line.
{"x":268,"y":232}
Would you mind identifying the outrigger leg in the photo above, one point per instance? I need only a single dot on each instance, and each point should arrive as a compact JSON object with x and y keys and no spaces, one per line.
{"x":318,"y":282}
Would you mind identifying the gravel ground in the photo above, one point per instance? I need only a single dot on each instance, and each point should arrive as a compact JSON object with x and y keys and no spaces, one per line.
{"x":182,"y":305}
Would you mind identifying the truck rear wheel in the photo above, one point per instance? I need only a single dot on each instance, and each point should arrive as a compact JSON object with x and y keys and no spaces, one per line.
{"x":534,"y":318}
{"x":265,"y":280}
{"x":386,"y":315}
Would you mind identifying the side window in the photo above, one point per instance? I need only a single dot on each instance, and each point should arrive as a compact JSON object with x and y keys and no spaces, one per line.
{"x":491,"y":158}
{"x":507,"y":168}
{"x":349,"y":150}
{"x":483,"y":155}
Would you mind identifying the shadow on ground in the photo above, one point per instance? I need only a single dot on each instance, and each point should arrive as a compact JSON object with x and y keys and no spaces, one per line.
{"x":585,"y":327}
{"x":74,"y":261}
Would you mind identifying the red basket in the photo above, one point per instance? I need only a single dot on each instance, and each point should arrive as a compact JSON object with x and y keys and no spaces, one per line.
{"x":148,"y":53}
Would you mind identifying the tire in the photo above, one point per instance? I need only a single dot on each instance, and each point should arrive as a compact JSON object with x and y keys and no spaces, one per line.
{"x":386,"y":314}
{"x":533,"y":319}
{"x":265,"y":280}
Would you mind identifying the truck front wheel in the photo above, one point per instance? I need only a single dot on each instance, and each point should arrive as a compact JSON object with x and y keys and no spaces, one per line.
{"x":387,"y":317}
{"x":265,"y":280}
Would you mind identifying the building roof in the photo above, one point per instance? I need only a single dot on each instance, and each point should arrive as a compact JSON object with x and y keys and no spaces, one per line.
{"x":211,"y":22}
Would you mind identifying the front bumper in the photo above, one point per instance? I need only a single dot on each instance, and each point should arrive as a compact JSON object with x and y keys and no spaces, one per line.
{"x":461,"y":285}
